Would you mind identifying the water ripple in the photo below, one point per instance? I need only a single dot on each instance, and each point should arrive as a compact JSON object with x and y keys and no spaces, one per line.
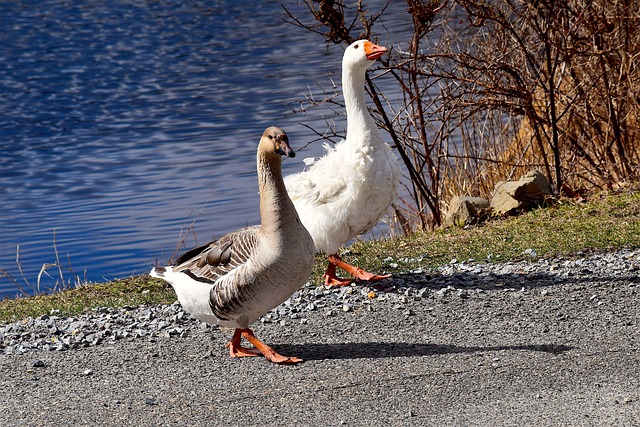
{"x":121,"y":122}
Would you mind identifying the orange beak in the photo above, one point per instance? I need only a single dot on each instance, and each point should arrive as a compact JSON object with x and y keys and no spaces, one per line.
{"x":373,"y":51}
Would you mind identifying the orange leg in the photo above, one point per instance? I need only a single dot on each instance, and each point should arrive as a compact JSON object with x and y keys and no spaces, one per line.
{"x":331,"y":279}
{"x":236,"y":349}
{"x":259,"y":347}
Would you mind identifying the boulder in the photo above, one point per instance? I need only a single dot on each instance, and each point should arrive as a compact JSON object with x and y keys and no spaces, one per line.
{"x":529,"y":190}
{"x":462,"y":209}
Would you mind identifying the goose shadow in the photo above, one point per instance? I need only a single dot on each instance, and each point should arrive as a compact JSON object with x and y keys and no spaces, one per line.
{"x":377,"y":350}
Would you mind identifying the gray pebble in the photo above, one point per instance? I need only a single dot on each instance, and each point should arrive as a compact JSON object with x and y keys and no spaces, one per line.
{"x":461,"y":279}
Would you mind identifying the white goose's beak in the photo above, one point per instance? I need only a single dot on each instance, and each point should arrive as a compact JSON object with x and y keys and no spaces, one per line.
{"x":373,"y":51}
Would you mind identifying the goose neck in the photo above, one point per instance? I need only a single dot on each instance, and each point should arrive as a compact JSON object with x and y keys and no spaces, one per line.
{"x":358,"y":118}
{"x":275,"y":205}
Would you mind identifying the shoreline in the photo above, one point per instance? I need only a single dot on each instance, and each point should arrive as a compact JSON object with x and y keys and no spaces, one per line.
{"x":603,"y":223}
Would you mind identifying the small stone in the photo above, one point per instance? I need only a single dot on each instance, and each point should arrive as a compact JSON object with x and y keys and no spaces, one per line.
{"x":86,"y":372}
{"x":38,"y":364}
{"x":150,"y":401}
{"x":442,"y":292}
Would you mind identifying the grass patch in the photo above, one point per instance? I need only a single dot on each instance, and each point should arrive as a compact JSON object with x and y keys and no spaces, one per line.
{"x":132,"y":291}
{"x":603,"y":223}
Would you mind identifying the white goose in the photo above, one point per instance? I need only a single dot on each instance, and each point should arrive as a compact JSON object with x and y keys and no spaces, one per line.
{"x":236,"y":279}
{"x":347,"y":191}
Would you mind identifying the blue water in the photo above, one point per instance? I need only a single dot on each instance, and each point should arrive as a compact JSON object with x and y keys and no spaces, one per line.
{"x":123,"y":124}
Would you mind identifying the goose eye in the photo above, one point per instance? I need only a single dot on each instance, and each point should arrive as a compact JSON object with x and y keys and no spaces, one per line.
{"x":355,"y":46}
{"x":270,"y":136}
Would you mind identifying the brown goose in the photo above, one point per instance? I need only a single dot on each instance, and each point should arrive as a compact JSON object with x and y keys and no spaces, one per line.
{"x":236,"y":279}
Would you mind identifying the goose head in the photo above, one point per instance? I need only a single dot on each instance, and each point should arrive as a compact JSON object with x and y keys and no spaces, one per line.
{"x":362,"y":54}
{"x":274,"y":142}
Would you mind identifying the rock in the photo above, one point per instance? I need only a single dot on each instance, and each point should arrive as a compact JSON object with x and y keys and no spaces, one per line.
{"x":462,"y":209}
{"x":529,"y":190}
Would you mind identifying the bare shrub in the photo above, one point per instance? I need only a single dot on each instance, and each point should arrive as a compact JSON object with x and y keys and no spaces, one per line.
{"x":486,"y":90}
{"x":567,"y":73}
{"x":407,"y":123}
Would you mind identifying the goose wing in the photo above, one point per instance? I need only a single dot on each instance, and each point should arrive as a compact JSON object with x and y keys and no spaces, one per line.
{"x":209,"y":262}
{"x":320,"y":184}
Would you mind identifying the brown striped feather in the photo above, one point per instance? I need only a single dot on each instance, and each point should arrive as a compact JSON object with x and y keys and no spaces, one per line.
{"x":209,"y":262}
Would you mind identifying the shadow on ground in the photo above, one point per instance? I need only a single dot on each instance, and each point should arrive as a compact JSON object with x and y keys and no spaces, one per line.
{"x":395,"y":349}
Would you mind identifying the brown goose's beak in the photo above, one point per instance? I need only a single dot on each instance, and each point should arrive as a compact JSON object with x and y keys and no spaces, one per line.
{"x":282,"y":146}
{"x":373,"y":51}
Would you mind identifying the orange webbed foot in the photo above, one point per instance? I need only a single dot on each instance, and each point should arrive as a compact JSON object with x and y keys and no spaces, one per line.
{"x":335,"y":281}
{"x":270,"y":354}
{"x":358,"y":273}
{"x":331,"y":279}
{"x":236,"y":350}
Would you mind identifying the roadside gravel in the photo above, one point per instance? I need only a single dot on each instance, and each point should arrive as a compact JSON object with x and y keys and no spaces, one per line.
{"x":550,"y":342}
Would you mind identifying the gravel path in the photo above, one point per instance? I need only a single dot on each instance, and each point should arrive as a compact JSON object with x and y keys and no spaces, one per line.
{"x":535,"y":342}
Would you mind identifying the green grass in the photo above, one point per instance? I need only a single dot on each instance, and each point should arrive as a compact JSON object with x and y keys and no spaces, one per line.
{"x":128,"y":292}
{"x":603,"y":223}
